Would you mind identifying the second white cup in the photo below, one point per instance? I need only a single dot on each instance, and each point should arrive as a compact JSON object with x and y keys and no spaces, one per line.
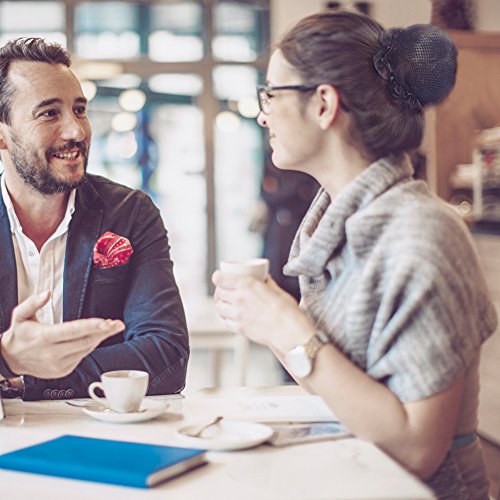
{"x":124,"y":389}
{"x":258,"y":268}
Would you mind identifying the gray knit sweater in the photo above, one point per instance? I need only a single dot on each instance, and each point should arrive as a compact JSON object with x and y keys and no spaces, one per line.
{"x":390,"y":273}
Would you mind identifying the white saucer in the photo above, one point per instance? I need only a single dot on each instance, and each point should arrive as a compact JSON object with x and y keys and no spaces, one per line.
{"x":226,"y":435}
{"x":151,"y":409}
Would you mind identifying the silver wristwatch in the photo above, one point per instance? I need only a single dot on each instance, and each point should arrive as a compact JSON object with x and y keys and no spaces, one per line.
{"x":300,"y":359}
{"x":10,"y":391}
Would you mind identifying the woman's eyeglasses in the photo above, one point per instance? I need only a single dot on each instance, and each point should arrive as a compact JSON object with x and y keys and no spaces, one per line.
{"x":264,"y":97}
{"x":264,"y":90}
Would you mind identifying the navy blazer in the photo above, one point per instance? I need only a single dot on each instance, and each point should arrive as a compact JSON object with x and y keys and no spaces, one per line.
{"x":142,"y":293}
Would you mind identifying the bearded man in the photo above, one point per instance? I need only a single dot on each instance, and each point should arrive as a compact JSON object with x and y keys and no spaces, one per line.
{"x":86,"y":281}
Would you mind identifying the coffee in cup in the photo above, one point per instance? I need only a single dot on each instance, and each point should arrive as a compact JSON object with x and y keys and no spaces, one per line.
{"x":124,"y":389}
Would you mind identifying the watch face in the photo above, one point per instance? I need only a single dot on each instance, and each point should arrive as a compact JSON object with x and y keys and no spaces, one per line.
{"x":299,"y":362}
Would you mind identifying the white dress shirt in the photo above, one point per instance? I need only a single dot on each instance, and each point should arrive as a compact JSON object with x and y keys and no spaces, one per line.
{"x":37,"y":271}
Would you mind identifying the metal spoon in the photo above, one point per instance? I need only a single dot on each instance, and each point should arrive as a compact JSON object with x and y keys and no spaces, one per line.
{"x":80,"y":405}
{"x":198,"y":432}
{"x":95,"y":405}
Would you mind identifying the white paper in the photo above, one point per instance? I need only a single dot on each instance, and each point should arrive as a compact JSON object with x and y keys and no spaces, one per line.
{"x":306,"y":408}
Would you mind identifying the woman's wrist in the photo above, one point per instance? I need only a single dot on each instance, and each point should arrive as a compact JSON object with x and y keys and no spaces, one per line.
{"x":292,"y":334}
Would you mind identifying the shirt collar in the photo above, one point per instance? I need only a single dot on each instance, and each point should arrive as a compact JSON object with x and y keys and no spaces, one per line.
{"x":15,"y":225}
{"x":13,"y":220}
{"x":70,"y":209}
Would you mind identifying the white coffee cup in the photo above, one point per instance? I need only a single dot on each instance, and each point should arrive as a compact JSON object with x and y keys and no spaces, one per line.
{"x":124,"y":389}
{"x":258,"y":268}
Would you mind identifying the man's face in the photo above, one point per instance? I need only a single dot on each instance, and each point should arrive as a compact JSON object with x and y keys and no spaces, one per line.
{"x":48,"y":139}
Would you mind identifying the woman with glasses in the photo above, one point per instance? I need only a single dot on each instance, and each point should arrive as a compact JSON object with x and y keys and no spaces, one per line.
{"x":394,"y":308}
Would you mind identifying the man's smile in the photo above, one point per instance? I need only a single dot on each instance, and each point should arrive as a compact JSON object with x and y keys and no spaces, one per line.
{"x":68,"y":156}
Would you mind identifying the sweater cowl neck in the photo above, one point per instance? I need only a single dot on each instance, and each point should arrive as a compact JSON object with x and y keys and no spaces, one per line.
{"x":322,"y":232}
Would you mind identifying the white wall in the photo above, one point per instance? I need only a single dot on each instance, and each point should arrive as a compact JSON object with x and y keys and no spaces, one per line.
{"x":284,"y":13}
{"x":488,"y":15}
{"x":390,"y":13}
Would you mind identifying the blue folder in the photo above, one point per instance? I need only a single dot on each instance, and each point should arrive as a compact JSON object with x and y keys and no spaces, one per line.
{"x":105,"y":461}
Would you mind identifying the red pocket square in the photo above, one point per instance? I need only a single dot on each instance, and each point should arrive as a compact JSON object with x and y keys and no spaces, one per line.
{"x":112,"y":250}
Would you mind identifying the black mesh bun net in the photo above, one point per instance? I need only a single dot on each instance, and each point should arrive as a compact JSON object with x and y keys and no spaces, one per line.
{"x":419,"y":64}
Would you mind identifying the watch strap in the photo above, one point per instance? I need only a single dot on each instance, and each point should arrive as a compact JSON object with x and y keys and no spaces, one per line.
{"x":8,"y":391}
{"x":315,"y":343}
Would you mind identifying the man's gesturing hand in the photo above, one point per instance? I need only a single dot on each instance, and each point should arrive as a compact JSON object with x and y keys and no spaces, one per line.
{"x":51,"y":351}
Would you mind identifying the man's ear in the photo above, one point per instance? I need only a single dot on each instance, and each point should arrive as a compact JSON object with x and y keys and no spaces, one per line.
{"x":329,"y":105}
{"x":3,"y":144}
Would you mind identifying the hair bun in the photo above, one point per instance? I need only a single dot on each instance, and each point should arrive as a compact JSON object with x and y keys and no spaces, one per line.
{"x":420,"y":63}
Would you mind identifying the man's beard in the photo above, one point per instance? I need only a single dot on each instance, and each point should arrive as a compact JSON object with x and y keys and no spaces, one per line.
{"x":37,"y":171}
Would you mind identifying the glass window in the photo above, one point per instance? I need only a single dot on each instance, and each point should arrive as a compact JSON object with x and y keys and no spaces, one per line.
{"x":238,"y":167}
{"x":107,"y":30}
{"x":123,"y":81}
{"x":234,"y":81}
{"x":159,"y":149}
{"x":176,"y":32}
{"x":238,"y":31}
{"x":177,"y":83}
{"x":114,"y":147}
{"x":180,"y":186}
{"x":20,"y":19}
{"x":238,"y":162}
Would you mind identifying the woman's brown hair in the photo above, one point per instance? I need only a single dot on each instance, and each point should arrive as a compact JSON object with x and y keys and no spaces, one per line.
{"x":338,"y":48}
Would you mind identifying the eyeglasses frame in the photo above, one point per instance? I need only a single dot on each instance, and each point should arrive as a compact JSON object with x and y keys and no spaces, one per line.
{"x":299,"y":88}
{"x":269,"y":88}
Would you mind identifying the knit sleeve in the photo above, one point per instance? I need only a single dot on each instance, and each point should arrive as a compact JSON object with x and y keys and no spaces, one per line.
{"x":432,"y":312}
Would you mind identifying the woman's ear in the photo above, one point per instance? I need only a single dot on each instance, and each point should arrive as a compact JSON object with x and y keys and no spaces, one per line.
{"x":329,"y":105}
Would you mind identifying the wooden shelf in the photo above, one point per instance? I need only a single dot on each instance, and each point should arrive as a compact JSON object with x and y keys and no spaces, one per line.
{"x":489,"y":398}
{"x":473,"y":105}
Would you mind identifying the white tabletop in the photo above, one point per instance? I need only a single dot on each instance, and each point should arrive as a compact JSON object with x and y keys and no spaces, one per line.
{"x":342,"y":469}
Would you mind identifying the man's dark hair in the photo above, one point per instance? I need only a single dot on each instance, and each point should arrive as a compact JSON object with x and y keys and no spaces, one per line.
{"x":25,"y":49}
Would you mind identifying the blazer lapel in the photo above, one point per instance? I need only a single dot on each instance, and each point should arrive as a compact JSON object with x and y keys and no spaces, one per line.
{"x":83,"y":232}
{"x":8,"y":270}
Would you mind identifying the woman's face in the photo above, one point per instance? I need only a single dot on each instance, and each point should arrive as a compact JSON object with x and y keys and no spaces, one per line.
{"x":293,"y":134}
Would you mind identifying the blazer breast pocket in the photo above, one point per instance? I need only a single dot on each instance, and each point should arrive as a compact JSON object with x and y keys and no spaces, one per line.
{"x":106,"y":292}
{"x":109,"y":275}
